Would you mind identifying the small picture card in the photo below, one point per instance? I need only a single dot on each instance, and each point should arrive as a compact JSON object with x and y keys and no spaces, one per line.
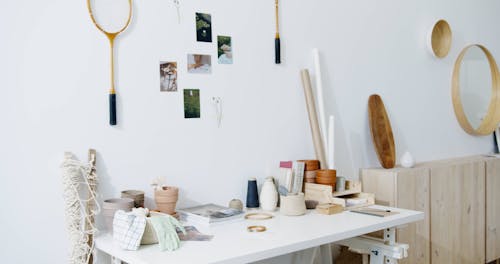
{"x":191,"y":103}
{"x":168,"y":76}
{"x":199,"y":63}
{"x":224,"y":50}
{"x":203,"y":27}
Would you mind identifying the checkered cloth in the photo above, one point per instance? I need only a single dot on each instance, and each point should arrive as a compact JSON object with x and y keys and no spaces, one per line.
{"x":128,"y":229}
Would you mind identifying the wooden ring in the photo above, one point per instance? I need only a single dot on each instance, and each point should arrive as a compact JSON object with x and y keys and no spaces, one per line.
{"x":258,"y":216}
{"x":256,"y":229}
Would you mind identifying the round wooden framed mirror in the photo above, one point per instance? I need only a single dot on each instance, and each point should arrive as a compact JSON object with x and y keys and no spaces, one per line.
{"x":476,"y":91}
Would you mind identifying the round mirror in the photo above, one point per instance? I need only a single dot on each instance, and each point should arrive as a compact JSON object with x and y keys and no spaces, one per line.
{"x":475,"y":90}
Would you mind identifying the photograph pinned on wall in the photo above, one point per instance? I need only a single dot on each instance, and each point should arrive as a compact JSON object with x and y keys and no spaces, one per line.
{"x":224,"y":50}
{"x":191,"y":103}
{"x":203,"y":27}
{"x":168,"y":76}
{"x":199,"y":63}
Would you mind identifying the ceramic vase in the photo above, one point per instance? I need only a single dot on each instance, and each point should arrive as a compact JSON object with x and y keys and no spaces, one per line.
{"x":268,"y":195}
{"x":166,"y":199}
{"x":407,"y":160}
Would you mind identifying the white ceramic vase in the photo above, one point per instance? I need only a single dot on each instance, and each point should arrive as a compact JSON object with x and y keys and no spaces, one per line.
{"x":407,"y":160}
{"x":268,"y":195}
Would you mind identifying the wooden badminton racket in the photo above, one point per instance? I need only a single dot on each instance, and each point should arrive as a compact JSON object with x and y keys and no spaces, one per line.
{"x":111,"y":35}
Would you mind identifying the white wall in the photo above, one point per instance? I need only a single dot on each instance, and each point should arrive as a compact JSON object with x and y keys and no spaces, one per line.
{"x":54,"y":82}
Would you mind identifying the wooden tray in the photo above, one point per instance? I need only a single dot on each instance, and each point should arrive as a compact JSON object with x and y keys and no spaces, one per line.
{"x":381,"y":131}
{"x":370,"y":200}
{"x":323,"y":194}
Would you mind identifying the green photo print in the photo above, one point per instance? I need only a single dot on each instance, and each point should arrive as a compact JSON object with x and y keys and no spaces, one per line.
{"x":191,"y":103}
{"x":203,"y":27}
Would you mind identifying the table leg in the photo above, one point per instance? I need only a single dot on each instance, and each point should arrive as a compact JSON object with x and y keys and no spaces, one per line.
{"x":376,"y":257}
{"x":115,"y":260}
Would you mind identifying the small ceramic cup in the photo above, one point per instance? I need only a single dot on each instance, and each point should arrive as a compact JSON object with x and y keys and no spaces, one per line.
{"x":293,"y":205}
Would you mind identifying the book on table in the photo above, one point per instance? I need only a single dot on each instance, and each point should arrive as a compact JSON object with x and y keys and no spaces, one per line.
{"x":291,"y":176}
{"x":210,"y":214}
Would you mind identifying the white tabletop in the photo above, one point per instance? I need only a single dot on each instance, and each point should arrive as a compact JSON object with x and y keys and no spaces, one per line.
{"x":232,"y":243}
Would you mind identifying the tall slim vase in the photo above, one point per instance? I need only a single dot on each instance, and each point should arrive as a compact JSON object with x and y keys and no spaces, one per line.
{"x":268,"y":195}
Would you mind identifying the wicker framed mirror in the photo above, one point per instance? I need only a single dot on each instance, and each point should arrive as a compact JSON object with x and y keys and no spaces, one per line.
{"x":476,"y":91}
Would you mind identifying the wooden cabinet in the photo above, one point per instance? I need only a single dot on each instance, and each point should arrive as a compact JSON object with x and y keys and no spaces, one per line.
{"x":461,"y":204}
{"x":492,"y":210}
{"x":458,"y":213}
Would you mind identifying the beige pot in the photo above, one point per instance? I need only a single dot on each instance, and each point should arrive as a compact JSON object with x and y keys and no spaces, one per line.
{"x":137,"y":196}
{"x":166,"y":199}
{"x":110,"y":206}
{"x":293,"y":205}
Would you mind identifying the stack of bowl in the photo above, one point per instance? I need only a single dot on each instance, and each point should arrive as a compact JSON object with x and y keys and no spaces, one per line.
{"x":137,"y":196}
{"x":166,"y":199}
{"x":311,"y":168}
{"x":110,"y":206}
{"x":326,"y":177}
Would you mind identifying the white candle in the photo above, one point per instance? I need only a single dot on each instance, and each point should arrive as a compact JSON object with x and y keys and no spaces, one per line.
{"x":331,"y":142}
{"x":319,"y":99}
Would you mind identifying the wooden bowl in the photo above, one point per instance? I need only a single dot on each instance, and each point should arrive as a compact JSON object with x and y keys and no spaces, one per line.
{"x":326,"y":177}
{"x":440,"y":39}
{"x":311,"y":165}
{"x":326,"y":174}
{"x":310,"y":174}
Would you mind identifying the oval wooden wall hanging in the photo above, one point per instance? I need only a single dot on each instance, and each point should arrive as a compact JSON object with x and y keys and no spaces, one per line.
{"x":381,"y":132}
{"x":440,"y":38}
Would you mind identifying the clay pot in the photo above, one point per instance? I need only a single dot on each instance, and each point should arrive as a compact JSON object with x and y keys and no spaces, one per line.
{"x":110,"y":206}
{"x":166,"y":199}
{"x":137,"y":196}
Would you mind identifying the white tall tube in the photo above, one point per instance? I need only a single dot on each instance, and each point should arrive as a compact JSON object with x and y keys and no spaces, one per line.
{"x":319,"y":97}
{"x":331,"y":143}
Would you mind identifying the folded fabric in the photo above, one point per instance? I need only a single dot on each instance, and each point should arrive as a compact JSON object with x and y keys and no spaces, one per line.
{"x":128,"y":229}
{"x":165,"y":228}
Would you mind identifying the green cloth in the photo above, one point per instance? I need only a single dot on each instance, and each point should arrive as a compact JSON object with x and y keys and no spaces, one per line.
{"x":165,"y":228}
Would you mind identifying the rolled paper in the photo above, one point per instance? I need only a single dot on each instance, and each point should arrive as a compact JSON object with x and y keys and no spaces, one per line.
{"x":313,"y":119}
{"x":319,"y":92}
{"x":331,"y":143}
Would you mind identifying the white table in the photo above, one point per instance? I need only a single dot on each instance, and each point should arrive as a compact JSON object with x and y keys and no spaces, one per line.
{"x":232,"y":243}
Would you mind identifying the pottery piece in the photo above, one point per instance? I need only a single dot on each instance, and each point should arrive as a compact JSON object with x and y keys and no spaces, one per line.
{"x":236,"y":204}
{"x":166,"y":199}
{"x":268,"y":195}
{"x":293,"y":205}
{"x":407,"y":160}
{"x":136,"y":195}
{"x":110,"y":206}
